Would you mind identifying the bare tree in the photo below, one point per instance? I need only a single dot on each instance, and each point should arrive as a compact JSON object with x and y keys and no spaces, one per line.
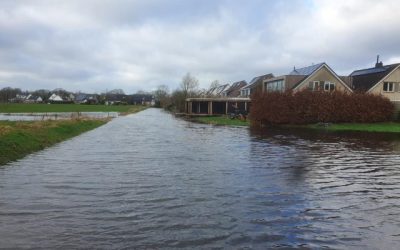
{"x":9,"y":93}
{"x":214,"y":84}
{"x":161,"y":96}
{"x":189,"y":85}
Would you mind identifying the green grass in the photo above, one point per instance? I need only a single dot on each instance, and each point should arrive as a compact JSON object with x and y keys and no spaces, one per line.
{"x":387,"y":127}
{"x":18,"y":139}
{"x":44,"y":108}
{"x":222,"y":120}
{"x":382,"y":127}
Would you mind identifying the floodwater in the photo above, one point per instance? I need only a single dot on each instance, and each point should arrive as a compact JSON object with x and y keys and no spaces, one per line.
{"x":55,"y":116}
{"x":150,"y":180}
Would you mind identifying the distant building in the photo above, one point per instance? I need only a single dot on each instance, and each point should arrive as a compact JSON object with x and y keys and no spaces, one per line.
{"x":55,"y":98}
{"x":33,"y":99}
{"x":86,"y":98}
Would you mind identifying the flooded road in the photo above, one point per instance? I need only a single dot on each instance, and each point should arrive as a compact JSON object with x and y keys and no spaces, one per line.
{"x":149,"y":180}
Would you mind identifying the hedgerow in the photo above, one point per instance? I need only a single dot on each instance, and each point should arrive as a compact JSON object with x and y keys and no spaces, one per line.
{"x":307,"y":107}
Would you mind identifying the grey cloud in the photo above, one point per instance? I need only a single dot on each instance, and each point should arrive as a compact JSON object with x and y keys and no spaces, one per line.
{"x":137,"y":45}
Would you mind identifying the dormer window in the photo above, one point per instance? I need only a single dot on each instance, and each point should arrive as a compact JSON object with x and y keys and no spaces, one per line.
{"x":388,"y":86}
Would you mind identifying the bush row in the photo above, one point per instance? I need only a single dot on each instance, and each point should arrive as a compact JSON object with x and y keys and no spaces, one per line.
{"x":307,"y":107}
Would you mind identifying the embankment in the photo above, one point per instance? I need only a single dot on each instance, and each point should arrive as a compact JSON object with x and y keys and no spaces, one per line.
{"x":18,"y":139}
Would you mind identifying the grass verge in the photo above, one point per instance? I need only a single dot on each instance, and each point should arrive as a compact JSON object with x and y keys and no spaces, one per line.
{"x":383,"y":127}
{"x":44,"y":108}
{"x":221,"y":120}
{"x":18,"y":139}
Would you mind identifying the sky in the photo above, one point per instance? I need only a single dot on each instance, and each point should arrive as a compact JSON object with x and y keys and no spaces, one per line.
{"x":136,"y":45}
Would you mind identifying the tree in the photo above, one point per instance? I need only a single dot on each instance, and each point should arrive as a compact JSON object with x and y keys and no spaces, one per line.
{"x":214,"y":84}
{"x":8,"y":93}
{"x":189,"y":85}
{"x":161,"y":96}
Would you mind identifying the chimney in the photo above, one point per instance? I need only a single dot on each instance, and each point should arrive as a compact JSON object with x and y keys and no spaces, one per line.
{"x":378,"y":64}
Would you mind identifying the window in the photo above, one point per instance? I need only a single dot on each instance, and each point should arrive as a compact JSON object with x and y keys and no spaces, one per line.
{"x":275,"y":86}
{"x":388,"y":86}
{"x":315,"y":85}
{"x":329,"y":86}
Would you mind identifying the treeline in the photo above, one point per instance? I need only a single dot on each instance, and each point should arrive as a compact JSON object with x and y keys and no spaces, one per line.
{"x":307,"y":107}
{"x":188,"y":88}
{"x":9,"y":94}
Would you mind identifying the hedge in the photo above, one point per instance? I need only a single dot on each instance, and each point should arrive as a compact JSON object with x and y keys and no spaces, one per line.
{"x":308,"y":107}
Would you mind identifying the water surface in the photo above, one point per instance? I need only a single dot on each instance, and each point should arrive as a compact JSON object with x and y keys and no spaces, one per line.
{"x":55,"y":116}
{"x":149,"y":180}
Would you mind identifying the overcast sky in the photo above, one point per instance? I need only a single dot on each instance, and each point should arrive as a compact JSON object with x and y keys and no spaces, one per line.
{"x":95,"y":45}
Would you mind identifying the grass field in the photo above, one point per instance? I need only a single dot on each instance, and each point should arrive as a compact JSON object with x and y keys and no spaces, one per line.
{"x":44,"y":108}
{"x":18,"y":139}
{"x":222,"y":120}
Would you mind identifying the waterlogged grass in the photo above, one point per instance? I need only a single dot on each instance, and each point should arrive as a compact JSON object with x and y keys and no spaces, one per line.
{"x":382,"y":127}
{"x":222,"y":120}
{"x":386,"y":127}
{"x":44,"y":108}
{"x":18,"y":139}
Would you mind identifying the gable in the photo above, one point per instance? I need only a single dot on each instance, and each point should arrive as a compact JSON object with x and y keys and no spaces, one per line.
{"x":393,"y":77}
{"x":323,"y":74}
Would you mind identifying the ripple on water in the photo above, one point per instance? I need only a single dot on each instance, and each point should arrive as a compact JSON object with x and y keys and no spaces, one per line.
{"x":152,"y":181}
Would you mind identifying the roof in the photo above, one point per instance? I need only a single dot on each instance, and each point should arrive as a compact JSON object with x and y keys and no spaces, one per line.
{"x":306,"y":71}
{"x":32,"y":97}
{"x":81,"y":97}
{"x":217,"y":90}
{"x":365,"y":79}
{"x":234,"y":89}
{"x":258,"y":80}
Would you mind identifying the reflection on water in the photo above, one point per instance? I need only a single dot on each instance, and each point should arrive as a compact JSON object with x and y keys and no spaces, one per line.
{"x":55,"y":116}
{"x":151,"y":181}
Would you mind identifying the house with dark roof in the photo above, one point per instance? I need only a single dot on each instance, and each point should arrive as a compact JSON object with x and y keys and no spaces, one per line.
{"x":33,"y":99}
{"x":82,"y":98}
{"x":234,"y":89}
{"x":317,"y":77}
{"x":217,"y":91}
{"x":381,"y":79}
{"x":255,"y":83}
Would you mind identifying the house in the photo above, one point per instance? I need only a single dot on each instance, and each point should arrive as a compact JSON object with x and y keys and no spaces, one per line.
{"x":116,"y":99}
{"x":142,"y":99}
{"x":55,"y":98}
{"x":86,"y":98}
{"x":381,"y":79}
{"x":217,"y":91}
{"x":33,"y":99}
{"x":234,"y":89}
{"x":255,"y":83}
{"x":317,"y":77}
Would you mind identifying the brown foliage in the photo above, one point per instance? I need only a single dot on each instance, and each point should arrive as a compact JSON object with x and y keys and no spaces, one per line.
{"x":307,"y":107}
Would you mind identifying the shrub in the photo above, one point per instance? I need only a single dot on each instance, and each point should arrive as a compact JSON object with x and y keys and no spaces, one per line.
{"x":306,"y":107}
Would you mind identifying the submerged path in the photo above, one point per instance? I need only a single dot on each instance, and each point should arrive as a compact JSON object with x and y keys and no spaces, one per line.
{"x":149,"y":180}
